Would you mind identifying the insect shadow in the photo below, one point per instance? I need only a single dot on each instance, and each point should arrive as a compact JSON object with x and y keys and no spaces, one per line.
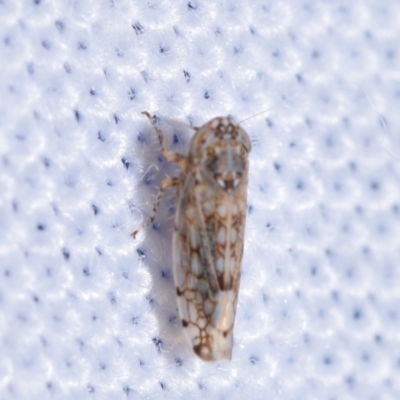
{"x":154,"y":242}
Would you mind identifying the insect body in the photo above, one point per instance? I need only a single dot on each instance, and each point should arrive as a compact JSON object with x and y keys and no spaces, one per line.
{"x":208,"y":233}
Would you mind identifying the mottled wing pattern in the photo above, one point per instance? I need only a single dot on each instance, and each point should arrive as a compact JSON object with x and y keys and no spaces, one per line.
{"x":208,"y":237}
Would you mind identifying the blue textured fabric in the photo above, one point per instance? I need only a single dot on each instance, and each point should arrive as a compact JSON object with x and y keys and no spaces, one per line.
{"x":86,"y":311}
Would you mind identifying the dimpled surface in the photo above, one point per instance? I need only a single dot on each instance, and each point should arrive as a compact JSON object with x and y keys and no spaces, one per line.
{"x":85,"y":311}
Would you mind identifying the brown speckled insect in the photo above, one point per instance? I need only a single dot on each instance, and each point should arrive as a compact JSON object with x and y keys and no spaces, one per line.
{"x":208,"y":234}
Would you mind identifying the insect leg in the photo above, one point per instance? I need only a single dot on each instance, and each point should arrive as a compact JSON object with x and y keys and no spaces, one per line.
{"x":165,"y":184}
{"x":172,"y":157}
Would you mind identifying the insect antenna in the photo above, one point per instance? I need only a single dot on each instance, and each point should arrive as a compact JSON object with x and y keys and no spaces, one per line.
{"x":256,"y":115}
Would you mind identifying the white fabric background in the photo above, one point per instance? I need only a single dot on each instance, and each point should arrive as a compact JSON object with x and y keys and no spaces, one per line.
{"x":88,"y":313}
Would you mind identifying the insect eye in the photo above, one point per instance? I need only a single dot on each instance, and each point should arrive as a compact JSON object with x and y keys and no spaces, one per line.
{"x":244,"y":140}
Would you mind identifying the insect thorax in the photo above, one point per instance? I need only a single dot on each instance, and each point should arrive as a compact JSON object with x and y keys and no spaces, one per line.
{"x":220,"y":149}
